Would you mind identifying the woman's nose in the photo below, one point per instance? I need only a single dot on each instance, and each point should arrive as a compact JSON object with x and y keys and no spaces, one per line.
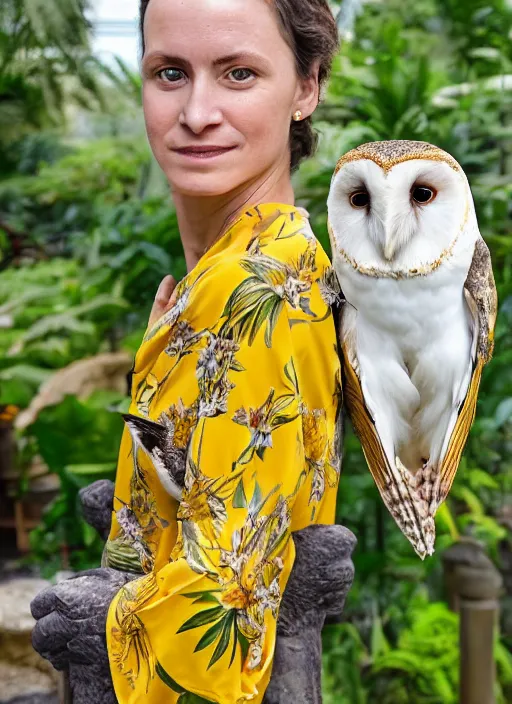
{"x":201,"y":108}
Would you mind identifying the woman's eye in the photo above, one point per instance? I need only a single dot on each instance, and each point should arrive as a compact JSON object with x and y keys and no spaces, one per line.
{"x":241,"y":74}
{"x":360,"y":199}
{"x":171,"y":75}
{"x":422,"y":194}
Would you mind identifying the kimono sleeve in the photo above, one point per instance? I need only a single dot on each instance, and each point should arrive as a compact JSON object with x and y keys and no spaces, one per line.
{"x":205,"y":623}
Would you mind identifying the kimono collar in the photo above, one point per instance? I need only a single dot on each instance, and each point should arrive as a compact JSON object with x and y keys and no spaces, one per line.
{"x":264,"y":219}
{"x":248,"y":222}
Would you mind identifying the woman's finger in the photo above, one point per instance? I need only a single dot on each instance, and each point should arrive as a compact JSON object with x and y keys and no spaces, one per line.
{"x":163,"y":298}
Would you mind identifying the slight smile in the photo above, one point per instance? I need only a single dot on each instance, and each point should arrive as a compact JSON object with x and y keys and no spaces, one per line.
{"x":204,"y":152}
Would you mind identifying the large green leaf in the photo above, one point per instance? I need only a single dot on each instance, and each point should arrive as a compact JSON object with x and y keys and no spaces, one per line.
{"x":168,"y":680}
{"x":229,"y":623}
{"x":210,"y":636}
{"x":202,"y":618}
{"x":189,"y":698}
{"x":74,"y":433}
{"x":186,"y":697}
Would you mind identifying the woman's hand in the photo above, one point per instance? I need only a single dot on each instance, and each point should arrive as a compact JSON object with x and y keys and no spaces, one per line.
{"x":164,"y":299}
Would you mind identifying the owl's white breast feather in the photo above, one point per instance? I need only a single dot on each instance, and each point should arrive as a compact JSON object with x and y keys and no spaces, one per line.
{"x":413,"y":344}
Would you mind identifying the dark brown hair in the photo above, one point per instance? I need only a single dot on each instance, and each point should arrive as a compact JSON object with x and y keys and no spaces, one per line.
{"x":310,"y":30}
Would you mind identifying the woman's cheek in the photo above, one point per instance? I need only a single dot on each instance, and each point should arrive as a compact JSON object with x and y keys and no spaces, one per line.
{"x":158,"y":117}
{"x":267,"y":118}
{"x":258,"y":126}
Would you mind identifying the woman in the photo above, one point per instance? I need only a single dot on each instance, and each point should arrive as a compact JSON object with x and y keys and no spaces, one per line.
{"x":239,"y":369}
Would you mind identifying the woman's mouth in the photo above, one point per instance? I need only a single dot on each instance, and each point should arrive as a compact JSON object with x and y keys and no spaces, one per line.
{"x":205,"y":152}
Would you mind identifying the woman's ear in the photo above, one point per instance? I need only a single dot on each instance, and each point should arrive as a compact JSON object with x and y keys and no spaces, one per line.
{"x":308,"y":92}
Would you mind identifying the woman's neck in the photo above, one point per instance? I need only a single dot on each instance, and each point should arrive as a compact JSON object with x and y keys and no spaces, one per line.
{"x":202,"y":220}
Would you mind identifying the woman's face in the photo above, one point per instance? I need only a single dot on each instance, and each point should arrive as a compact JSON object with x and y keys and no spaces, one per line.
{"x":218,"y":73}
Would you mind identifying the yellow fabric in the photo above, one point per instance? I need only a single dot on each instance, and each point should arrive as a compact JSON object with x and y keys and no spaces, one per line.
{"x":245,"y":367}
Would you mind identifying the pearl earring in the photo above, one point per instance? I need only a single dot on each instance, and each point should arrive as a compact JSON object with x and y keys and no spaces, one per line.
{"x":297,"y":115}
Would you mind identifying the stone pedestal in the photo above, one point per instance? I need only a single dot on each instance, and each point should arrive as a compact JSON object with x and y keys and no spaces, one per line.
{"x":318,"y":584}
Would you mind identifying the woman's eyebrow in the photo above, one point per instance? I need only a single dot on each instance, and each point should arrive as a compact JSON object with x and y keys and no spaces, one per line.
{"x":242,"y":56}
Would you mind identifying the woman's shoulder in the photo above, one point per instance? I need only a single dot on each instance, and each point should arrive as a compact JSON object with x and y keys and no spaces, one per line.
{"x":278,"y":248}
{"x":271,"y":263}
{"x":281,"y":270}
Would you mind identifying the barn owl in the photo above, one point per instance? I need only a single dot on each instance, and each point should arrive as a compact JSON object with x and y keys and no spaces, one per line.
{"x":417,"y":323}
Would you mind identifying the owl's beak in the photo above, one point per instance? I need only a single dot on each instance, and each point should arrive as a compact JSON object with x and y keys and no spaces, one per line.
{"x":389,"y":246}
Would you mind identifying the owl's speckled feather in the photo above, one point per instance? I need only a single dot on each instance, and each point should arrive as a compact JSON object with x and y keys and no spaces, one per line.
{"x":389,"y":153}
{"x":480,"y":285}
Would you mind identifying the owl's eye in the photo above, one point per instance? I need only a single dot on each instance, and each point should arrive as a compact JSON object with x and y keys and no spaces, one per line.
{"x":423,"y":194}
{"x":359,"y":199}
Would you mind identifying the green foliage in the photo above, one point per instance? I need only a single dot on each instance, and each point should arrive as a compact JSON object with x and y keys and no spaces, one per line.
{"x":79,"y":441}
{"x":44,"y":62}
{"x":105,"y":247}
{"x":425,"y":659}
{"x":422,"y":668}
{"x":54,"y":318}
{"x":72,"y":195}
{"x":46,"y":68}
{"x":114,"y":248}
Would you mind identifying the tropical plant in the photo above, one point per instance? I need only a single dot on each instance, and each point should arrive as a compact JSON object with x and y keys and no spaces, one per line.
{"x":422,"y":667}
{"x":79,"y":442}
{"x":44,"y":62}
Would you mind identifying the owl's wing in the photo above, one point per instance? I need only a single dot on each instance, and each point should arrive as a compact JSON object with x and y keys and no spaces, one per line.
{"x":363,"y":422}
{"x":482,"y":291}
{"x":393,"y":482}
{"x":481,"y":298}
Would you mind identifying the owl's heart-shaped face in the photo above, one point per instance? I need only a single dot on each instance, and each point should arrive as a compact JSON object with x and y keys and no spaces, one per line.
{"x":397,"y":212}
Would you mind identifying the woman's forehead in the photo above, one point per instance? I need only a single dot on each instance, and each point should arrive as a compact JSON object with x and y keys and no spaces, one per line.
{"x":202,"y":24}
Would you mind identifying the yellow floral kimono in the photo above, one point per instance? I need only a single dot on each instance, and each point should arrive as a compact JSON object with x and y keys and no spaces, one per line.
{"x":232,"y":442}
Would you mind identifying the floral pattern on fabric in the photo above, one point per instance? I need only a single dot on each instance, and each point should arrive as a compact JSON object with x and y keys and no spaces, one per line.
{"x":236,"y":403}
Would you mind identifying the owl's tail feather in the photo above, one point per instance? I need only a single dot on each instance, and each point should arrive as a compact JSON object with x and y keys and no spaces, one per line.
{"x":412,"y":501}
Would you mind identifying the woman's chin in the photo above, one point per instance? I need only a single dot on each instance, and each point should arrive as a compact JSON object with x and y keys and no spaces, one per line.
{"x":202,"y":185}
{"x":200,"y":192}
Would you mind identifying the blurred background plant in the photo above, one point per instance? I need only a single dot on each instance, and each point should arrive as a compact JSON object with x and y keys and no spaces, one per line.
{"x":87,"y":231}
